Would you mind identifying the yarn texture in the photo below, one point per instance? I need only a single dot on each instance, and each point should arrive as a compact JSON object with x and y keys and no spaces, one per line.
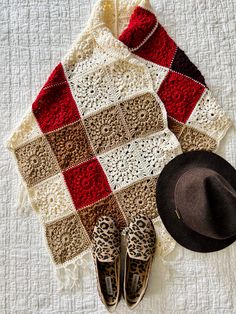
{"x":122,"y":103}
{"x":193,"y":113}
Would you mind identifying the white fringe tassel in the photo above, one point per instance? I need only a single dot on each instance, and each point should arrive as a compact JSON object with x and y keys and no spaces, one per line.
{"x":70,"y":275}
{"x":23,"y":206}
{"x":165,"y":243}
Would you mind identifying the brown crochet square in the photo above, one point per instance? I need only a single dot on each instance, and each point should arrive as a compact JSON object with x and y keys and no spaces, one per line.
{"x":139,"y":198}
{"x":36,"y":161}
{"x":175,"y":126}
{"x":70,"y":145}
{"x":106,"y":207}
{"x":66,"y":238}
{"x":106,"y":129}
{"x":192,"y":139}
{"x":143,"y":115}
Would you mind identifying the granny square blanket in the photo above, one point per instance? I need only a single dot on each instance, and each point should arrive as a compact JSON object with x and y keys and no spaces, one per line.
{"x":193,"y":113}
{"x":122,"y":103}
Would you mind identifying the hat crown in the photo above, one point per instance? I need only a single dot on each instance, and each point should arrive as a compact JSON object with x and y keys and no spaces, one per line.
{"x":206,"y":203}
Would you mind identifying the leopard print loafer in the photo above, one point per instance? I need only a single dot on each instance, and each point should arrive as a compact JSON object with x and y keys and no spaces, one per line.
{"x":106,"y":254}
{"x":141,"y":244}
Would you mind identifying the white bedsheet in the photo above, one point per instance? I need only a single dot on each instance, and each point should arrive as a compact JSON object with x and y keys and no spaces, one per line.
{"x":34,"y":35}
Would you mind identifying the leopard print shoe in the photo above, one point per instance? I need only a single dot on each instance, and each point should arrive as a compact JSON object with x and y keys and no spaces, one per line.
{"x":141,"y":244}
{"x":106,"y":254}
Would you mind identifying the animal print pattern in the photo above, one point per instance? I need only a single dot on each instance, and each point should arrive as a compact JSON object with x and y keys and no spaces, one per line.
{"x":141,"y":238}
{"x":106,"y":239}
{"x":140,"y":268}
{"x":108,"y":270}
{"x":141,"y":244}
{"x":106,"y":254}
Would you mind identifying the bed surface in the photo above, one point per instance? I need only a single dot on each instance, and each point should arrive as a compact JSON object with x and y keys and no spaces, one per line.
{"x":34,"y":35}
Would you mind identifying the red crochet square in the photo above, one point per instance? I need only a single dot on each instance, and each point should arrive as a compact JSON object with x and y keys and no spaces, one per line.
{"x":55,"y":107}
{"x":87,"y":183}
{"x":180,"y":95}
{"x":159,"y":48}
{"x":140,"y":25}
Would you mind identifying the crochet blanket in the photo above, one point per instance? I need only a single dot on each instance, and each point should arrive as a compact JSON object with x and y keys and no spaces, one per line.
{"x":96,"y":138}
{"x":21,"y":303}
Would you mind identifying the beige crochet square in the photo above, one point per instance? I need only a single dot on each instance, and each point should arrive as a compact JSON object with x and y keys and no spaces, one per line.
{"x":70,"y":144}
{"x":36,"y":161}
{"x":139,"y":198}
{"x":192,"y":139}
{"x":51,"y":199}
{"x":107,"y":207}
{"x":66,"y":238}
{"x":143,"y":115}
{"x":106,"y":130}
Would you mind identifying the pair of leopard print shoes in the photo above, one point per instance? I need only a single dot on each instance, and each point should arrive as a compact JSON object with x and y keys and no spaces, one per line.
{"x":106,"y":250}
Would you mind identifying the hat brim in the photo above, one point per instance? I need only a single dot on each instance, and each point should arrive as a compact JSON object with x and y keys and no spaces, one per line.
{"x":165,"y":198}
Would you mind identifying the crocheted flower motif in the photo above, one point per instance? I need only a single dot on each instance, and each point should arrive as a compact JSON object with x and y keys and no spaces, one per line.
{"x":66,"y":238}
{"x":36,"y":161}
{"x":180,"y":95}
{"x":159,"y":48}
{"x":70,"y":145}
{"x":87,"y":183}
{"x":80,"y":56}
{"x":51,"y":198}
{"x":106,"y":130}
{"x":139,"y":198}
{"x":105,"y":207}
{"x":96,"y":60}
{"x":157,"y":150}
{"x":209,"y":117}
{"x":192,"y":139}
{"x":128,"y":79}
{"x":182,"y":64}
{"x":85,"y":57}
{"x":143,"y":115}
{"x":122,"y":166}
{"x":55,"y":106}
{"x":92,"y":91}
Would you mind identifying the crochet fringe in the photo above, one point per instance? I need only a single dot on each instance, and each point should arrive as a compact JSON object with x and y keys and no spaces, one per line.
{"x":165,"y":243}
{"x":69,"y":276}
{"x":24,"y":205}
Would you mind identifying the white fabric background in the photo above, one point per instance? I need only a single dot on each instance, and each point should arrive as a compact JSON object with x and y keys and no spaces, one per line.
{"x":34,"y":35}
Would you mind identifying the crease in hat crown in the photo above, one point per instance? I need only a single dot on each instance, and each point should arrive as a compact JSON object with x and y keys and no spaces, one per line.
{"x":206,"y":192}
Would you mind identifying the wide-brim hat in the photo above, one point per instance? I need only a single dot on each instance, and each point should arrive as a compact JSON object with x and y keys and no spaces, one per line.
{"x":196,"y":200}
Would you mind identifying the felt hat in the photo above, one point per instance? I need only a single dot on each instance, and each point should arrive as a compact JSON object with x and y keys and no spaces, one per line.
{"x":196,"y":200}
